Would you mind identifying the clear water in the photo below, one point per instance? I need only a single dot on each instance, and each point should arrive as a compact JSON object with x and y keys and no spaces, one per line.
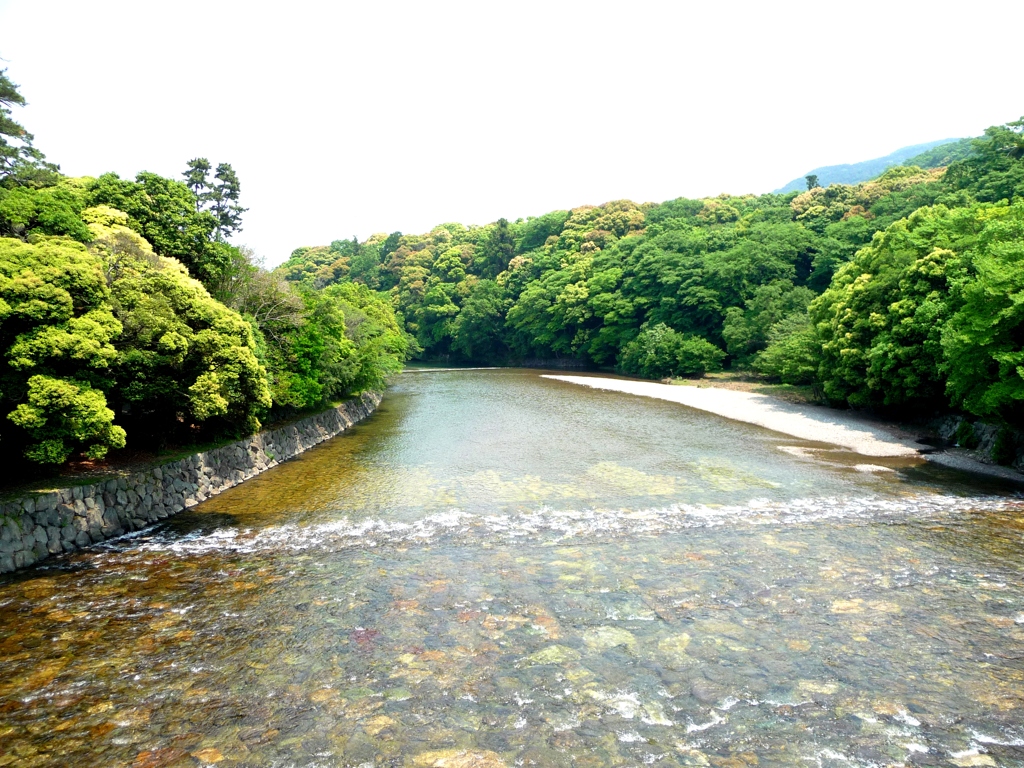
{"x":498,"y":569}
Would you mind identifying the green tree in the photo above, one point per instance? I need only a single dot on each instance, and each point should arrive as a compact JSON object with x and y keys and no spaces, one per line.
{"x":496,"y":251}
{"x":164,"y":212}
{"x":793,"y":352}
{"x":478,"y":332}
{"x":21,"y":164}
{"x":56,"y":210}
{"x":658,"y":351}
{"x":185,"y":361}
{"x":56,"y":336}
{"x":983,"y":342}
{"x":746,"y":330}
{"x":995,"y":168}
{"x":223,"y":201}
{"x":218,"y":196}
{"x":197,"y":179}
{"x":881,"y":321}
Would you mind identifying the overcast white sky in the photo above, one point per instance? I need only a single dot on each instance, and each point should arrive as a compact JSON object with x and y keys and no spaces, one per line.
{"x":348,"y":118}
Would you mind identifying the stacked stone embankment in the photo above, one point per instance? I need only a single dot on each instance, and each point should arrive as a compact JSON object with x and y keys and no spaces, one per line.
{"x":39,"y":525}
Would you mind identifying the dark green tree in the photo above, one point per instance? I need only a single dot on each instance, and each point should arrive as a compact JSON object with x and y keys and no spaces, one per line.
{"x":218,"y":196}
{"x":995,"y":169}
{"x":21,"y":164}
{"x":496,"y":252}
{"x":658,"y":351}
{"x":164,"y":212}
{"x":197,"y":179}
{"x":223,"y":201}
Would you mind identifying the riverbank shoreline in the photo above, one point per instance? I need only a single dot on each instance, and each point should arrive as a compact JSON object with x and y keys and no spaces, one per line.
{"x":39,"y":524}
{"x":848,"y":430}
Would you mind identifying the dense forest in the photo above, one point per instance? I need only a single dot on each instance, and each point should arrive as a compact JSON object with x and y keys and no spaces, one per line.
{"x":928,"y":155}
{"x":903,"y":292}
{"x":127,"y":319}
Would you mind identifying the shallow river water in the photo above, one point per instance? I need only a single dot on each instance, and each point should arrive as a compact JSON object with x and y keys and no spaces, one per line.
{"x":499,"y":569}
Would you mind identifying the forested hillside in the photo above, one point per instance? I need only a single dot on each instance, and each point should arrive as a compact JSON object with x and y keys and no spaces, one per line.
{"x":127,"y":319}
{"x":900,"y":291}
{"x":854,"y":173}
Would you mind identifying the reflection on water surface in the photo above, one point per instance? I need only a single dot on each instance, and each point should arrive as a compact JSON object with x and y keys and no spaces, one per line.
{"x":498,"y":569}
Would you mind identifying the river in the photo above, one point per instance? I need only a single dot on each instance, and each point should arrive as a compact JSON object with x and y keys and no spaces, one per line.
{"x":499,"y":569}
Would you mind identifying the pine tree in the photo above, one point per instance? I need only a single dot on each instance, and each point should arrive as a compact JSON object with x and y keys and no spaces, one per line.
{"x":21,"y":164}
{"x":219,"y":196}
{"x":224,"y":201}
{"x":196,"y":179}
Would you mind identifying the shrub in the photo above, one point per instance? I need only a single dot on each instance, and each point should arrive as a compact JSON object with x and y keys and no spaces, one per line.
{"x":660,"y":351}
{"x":1004,"y":450}
{"x":793,"y":352}
{"x":56,"y":334}
{"x":965,"y":435}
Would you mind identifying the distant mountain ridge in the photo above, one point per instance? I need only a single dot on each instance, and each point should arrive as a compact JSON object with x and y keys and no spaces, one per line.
{"x":853,"y":173}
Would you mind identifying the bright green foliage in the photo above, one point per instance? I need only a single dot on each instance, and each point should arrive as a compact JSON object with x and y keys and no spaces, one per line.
{"x":164,"y":212}
{"x":60,"y":415}
{"x":581,"y":283}
{"x":380,"y":345}
{"x":880,"y":322}
{"x":309,"y":365}
{"x":56,"y":334}
{"x":995,"y":168}
{"x":929,"y":314}
{"x":983,"y":342}
{"x":183,"y":357}
{"x":478,"y":332}
{"x":658,"y":351}
{"x":893,"y":258}
{"x":347,"y":341}
{"x":56,"y":210}
{"x":317,"y":345}
{"x":793,"y":352}
{"x":747,"y":330}
{"x":98,"y":307}
{"x":534,"y":232}
{"x":495,"y":253}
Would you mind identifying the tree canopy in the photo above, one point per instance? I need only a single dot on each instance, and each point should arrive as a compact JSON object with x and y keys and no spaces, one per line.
{"x":127,"y":319}
{"x":870,"y":290}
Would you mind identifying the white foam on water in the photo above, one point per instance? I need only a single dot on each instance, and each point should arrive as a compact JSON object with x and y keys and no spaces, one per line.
{"x":905,"y":717}
{"x":562,"y":524}
{"x":833,"y":756}
{"x":716,"y":719}
{"x":624,"y":703}
{"x":982,"y":738}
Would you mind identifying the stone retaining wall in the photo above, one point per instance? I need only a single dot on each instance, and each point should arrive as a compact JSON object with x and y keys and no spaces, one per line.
{"x":43,"y":524}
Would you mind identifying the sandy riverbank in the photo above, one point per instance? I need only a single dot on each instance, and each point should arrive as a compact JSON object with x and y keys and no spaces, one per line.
{"x":808,"y":422}
{"x":803,"y":421}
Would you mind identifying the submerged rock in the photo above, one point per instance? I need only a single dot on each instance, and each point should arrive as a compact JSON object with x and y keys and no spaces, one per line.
{"x":554,"y":654}
{"x":458,"y":758}
{"x":603,"y":638}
